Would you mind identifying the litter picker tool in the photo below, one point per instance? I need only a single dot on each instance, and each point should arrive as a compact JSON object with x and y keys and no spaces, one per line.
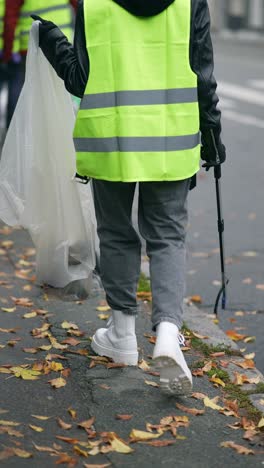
{"x":221,"y":228}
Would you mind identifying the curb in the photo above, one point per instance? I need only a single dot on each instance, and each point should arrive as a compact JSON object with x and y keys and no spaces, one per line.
{"x":202,"y":323}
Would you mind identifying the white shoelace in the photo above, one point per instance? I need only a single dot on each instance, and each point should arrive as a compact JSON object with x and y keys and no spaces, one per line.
{"x":181,"y":339}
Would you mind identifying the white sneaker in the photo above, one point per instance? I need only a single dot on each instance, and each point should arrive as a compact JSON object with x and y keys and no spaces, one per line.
{"x":175,"y":375}
{"x":118,"y":341}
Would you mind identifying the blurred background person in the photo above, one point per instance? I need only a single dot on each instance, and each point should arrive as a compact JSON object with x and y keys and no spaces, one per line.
{"x":17,"y":25}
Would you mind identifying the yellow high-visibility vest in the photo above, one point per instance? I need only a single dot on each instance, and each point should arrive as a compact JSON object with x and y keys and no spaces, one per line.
{"x":58,"y":11}
{"x":2,"y":13}
{"x":139,"y":116}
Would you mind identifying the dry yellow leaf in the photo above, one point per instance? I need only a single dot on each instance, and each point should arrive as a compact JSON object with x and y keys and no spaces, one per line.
{"x":151,"y":383}
{"x":261,"y":423}
{"x":67,"y":325}
{"x":211,"y":404}
{"x":250,"y":356}
{"x":58,"y":383}
{"x":143,"y":435}
{"x":103,"y":316}
{"x":143,"y":365}
{"x":217,"y":381}
{"x":56,"y":366}
{"x":41,"y":418}
{"x":4,"y":370}
{"x":9,"y":423}
{"x":22,"y":453}
{"x":25,"y":374}
{"x":103,"y":308}
{"x":73,"y":413}
{"x":30,"y":315}
{"x":119,"y":445}
{"x":36,"y":428}
{"x":8,"y":310}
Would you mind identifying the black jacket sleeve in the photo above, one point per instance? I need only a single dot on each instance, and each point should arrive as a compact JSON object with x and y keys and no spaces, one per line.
{"x":202,"y":63}
{"x":71,"y":62}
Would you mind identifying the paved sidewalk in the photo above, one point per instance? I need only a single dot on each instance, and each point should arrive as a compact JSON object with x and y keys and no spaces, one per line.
{"x":95,"y":391}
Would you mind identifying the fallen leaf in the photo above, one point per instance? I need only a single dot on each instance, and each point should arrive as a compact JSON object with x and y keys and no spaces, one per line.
{"x":87,"y":424}
{"x":260,"y":287}
{"x":41,"y":418}
{"x":68,"y":440}
{"x":250,"y":339}
{"x":88,"y":465}
{"x":249,"y":254}
{"x":8,"y":330}
{"x":45,"y":449}
{"x":22,"y":453}
{"x":198,"y":373}
{"x":193,"y":411}
{"x":219,"y":354}
{"x":30,"y":350}
{"x":143,"y":365}
{"x":151,"y":383}
{"x":246,"y":364}
{"x":196,"y":299}
{"x":55,"y":366}
{"x":105,"y":308}
{"x":119,"y":445}
{"x":22,"y":301}
{"x":208,"y":366}
{"x":217,"y":381}
{"x":201,"y":337}
{"x":261,"y":423}
{"x":10,"y":431}
{"x":240,"y":313}
{"x":124,"y":417}
{"x":8,"y":244}
{"x":36,"y":428}
{"x":234,"y":335}
{"x":103,"y":316}
{"x":238,"y":448}
{"x":10,"y":310}
{"x":69,"y":325}
{"x":198,"y":396}
{"x":161,"y":443}
{"x":4,"y":370}
{"x":25,"y":374}
{"x":9,"y":423}
{"x":71,"y":341}
{"x":142,"y":435}
{"x":81,"y":452}
{"x":250,"y":356}
{"x":63,"y":424}
{"x":30,"y":315}
{"x":57,"y":383}
{"x":73,"y":413}
{"x":211,"y":404}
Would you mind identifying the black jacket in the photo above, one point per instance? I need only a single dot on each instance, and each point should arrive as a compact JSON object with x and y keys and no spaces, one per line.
{"x":71,"y":62}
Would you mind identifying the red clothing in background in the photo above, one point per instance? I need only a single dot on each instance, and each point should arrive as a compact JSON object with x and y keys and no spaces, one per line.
{"x":12,"y":13}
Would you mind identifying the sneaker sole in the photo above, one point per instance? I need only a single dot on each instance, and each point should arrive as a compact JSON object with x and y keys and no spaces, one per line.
{"x":173,"y":380}
{"x":119,"y":357}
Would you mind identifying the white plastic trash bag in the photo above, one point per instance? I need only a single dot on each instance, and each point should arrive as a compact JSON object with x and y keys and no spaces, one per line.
{"x":37,"y":190}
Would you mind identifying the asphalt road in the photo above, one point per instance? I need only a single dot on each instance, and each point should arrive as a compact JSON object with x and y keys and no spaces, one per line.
{"x":240,"y":72}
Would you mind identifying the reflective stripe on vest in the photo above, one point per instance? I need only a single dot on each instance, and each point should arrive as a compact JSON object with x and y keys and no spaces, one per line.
{"x":138,"y":144}
{"x":57,"y":11}
{"x":139,"y":117}
{"x":139,"y":98}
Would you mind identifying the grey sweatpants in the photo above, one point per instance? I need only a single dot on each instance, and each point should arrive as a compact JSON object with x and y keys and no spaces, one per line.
{"x":162,"y":219}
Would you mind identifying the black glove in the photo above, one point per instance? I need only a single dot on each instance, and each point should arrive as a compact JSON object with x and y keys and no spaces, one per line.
{"x":44,"y":28}
{"x":213,"y":151}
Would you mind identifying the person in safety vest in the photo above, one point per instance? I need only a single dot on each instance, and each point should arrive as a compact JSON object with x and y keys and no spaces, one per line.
{"x":17,"y":24}
{"x":144,"y":71}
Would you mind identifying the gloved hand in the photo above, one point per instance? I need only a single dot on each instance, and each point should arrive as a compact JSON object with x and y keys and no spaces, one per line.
{"x":44,"y":27}
{"x":213,"y":151}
